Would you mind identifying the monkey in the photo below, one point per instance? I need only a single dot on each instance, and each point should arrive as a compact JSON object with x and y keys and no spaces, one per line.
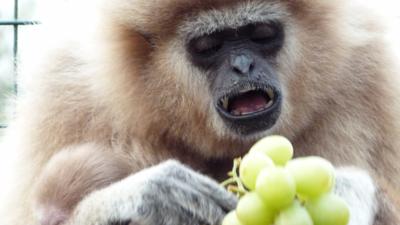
{"x":136,"y":121}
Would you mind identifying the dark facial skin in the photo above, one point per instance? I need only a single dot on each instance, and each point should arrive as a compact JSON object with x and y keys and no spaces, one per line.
{"x":240,"y":67}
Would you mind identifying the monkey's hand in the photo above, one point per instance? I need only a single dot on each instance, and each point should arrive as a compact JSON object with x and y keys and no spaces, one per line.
{"x":357,"y":188}
{"x":166,"y":194}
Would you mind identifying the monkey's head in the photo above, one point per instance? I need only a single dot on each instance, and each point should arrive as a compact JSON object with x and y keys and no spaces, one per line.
{"x":215,"y":73}
{"x":239,"y":62}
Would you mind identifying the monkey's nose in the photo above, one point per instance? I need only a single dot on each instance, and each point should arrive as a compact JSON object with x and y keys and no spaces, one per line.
{"x":242,"y":64}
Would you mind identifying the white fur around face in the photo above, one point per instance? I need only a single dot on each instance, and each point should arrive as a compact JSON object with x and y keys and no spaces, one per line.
{"x":239,"y":15}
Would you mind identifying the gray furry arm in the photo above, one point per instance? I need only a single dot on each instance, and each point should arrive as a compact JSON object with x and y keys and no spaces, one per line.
{"x":166,"y":194}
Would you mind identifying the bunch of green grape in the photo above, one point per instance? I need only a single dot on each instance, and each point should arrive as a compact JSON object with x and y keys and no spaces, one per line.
{"x":275,"y":189}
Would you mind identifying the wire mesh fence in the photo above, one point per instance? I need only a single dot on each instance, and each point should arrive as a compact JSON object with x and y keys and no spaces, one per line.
{"x":15,"y":22}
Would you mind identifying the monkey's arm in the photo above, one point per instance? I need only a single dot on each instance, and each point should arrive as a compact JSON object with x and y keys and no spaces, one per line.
{"x":70,"y":175}
{"x":359,"y":191}
{"x":166,"y":194}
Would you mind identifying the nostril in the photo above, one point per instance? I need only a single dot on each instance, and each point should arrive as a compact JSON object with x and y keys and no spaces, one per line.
{"x":236,"y":70}
{"x":251,"y":67}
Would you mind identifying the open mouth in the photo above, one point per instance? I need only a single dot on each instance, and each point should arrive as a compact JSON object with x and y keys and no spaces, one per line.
{"x":250,"y":109}
{"x":247,"y":102}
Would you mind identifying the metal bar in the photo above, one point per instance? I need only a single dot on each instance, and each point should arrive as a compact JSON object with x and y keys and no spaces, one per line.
{"x":16,"y":9}
{"x":18,"y":22}
{"x":15,"y":50}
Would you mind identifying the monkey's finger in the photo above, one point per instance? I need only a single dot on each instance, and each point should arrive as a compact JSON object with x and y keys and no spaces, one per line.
{"x":146,"y":198}
{"x":202,"y":183}
{"x":185,"y":197}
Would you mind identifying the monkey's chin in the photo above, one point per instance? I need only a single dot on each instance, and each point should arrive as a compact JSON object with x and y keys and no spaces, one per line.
{"x":252,"y":125}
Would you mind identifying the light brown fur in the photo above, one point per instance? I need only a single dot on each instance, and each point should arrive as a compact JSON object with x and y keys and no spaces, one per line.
{"x":143,"y":104}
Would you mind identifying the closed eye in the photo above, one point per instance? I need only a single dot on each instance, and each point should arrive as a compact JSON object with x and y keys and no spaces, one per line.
{"x":206,"y":45}
{"x":265,"y":33}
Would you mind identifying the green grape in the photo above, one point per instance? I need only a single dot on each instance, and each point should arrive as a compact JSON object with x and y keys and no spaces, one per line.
{"x":252,"y":210}
{"x":231,"y":219}
{"x":276,"y":187}
{"x":250,"y":167}
{"x":296,"y":214}
{"x":314,"y":176}
{"x":277,"y":147}
{"x":329,"y":209}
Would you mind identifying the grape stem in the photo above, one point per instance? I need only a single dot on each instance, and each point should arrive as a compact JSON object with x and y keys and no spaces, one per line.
{"x":228,"y":182}
{"x":233,"y":183}
{"x":235,"y":189}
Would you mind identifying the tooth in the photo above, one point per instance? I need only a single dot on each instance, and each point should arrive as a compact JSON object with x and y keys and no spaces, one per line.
{"x":270,"y":93}
{"x":269,"y":104}
{"x":244,"y":89}
{"x":225,"y":103}
{"x":247,"y":89}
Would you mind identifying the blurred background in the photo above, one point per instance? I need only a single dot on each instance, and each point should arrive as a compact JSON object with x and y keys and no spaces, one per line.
{"x":28,"y":11}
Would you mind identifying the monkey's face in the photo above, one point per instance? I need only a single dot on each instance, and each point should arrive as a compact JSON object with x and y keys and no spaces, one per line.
{"x":232,"y":71}
{"x":226,"y":62}
{"x":239,"y":64}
